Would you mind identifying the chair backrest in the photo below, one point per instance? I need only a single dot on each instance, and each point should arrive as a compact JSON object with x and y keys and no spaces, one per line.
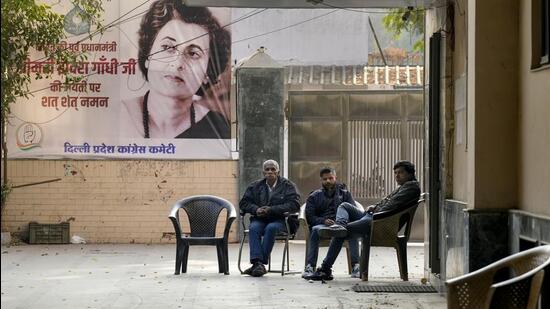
{"x":386,"y":226}
{"x":478,"y":289}
{"x":203,"y":212}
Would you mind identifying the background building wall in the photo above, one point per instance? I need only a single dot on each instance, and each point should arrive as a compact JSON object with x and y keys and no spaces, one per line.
{"x":500,"y":144}
{"x":534,"y":125}
{"x":113,"y":201}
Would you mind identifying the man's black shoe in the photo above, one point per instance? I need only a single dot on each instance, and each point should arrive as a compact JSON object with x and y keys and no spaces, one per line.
{"x":335,"y":230}
{"x":322,"y":274}
{"x":258,"y":270}
{"x":249,"y":270}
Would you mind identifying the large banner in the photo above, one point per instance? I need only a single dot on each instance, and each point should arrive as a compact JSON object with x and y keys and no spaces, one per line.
{"x":156,"y":85}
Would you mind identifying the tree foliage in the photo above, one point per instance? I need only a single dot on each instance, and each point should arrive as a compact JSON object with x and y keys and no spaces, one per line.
{"x":27,"y":28}
{"x":401,"y":20}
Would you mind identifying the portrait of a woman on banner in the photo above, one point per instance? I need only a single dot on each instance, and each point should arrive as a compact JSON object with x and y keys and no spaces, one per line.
{"x":183,"y":55}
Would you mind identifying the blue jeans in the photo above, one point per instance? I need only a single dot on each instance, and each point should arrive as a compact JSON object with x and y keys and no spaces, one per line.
{"x":262,"y":238}
{"x":313,"y":249}
{"x":345,"y":214}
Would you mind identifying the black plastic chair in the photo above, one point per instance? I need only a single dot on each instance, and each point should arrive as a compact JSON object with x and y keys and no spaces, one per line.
{"x":385,"y":232}
{"x":285,"y":236}
{"x":203,"y":212}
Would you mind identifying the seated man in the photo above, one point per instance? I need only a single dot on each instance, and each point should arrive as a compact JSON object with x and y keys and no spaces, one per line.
{"x":321,"y":208}
{"x":267,"y":200}
{"x":406,"y":194}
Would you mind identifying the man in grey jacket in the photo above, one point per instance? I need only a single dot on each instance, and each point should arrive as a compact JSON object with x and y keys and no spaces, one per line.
{"x":406,"y":194}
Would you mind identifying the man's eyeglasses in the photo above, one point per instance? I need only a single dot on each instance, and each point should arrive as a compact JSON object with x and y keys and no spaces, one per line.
{"x":270,"y":169}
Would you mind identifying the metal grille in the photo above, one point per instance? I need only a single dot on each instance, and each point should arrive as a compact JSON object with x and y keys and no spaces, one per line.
{"x":375,"y":145}
{"x":415,"y":136}
{"x":394,"y":288}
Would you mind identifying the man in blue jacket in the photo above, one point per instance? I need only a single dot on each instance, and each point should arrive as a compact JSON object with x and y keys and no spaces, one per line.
{"x":406,"y":194}
{"x":321,"y":208}
{"x":267,"y":200}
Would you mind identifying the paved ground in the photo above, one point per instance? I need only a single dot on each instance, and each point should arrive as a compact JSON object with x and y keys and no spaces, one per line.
{"x":141,"y":276}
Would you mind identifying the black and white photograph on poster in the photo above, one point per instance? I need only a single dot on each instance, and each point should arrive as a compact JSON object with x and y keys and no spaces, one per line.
{"x":183,"y":53}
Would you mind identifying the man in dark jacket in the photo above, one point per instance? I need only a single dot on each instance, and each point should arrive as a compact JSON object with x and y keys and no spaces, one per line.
{"x":267,"y":200}
{"x":320,"y":211}
{"x":406,"y":194}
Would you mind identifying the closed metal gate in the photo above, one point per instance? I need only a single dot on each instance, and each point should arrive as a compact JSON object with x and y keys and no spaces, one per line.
{"x":360,"y":133}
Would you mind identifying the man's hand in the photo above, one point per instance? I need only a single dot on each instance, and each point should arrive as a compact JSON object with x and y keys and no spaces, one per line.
{"x":371,"y":209}
{"x":263,"y":211}
{"x":329,"y":222}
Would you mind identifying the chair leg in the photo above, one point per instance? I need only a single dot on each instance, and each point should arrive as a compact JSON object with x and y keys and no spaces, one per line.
{"x":365,"y":255}
{"x":226,"y":257}
{"x":348,"y":254}
{"x":307,"y":249}
{"x":185,"y":255}
{"x":179,"y":258}
{"x":221,"y":262}
{"x":285,"y":255}
{"x":402,"y":258}
{"x":243,"y":239}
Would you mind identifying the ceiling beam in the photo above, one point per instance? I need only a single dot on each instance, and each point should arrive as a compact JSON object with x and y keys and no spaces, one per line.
{"x":314,"y":4}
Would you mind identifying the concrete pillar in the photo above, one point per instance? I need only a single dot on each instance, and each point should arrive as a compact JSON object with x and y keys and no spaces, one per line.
{"x":493,"y":38}
{"x":260,"y":100}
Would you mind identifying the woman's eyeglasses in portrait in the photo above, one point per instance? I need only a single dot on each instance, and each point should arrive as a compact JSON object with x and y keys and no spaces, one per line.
{"x":170,"y":53}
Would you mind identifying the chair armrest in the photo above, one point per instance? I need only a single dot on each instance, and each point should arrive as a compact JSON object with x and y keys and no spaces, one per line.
{"x":173,"y":216}
{"x":227,"y":229}
{"x":174,"y":211}
{"x":241,"y":219}
{"x":287,"y":226}
{"x":388,"y":213}
{"x":288,"y":215}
